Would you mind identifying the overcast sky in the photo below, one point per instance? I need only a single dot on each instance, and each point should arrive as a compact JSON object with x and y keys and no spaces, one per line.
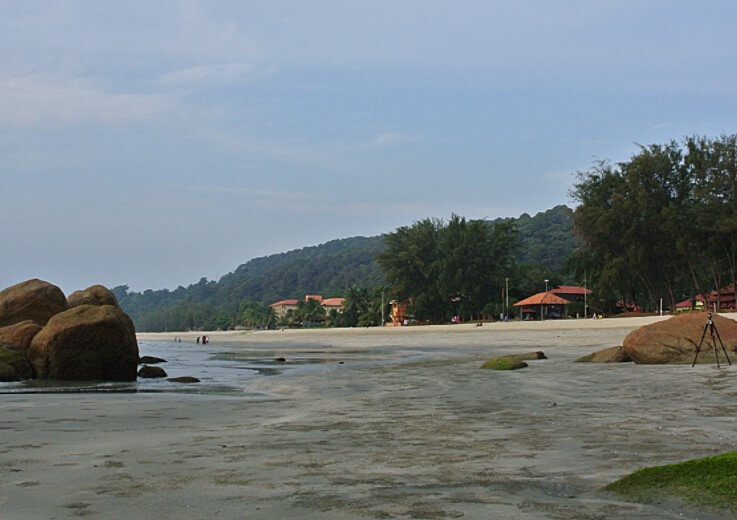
{"x":153,"y":143}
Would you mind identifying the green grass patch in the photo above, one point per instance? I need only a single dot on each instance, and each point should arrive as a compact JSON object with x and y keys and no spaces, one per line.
{"x":710,"y":482}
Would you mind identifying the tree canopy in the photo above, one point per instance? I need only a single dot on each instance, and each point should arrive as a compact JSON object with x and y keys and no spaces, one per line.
{"x":662,"y":224}
{"x":446,"y":268}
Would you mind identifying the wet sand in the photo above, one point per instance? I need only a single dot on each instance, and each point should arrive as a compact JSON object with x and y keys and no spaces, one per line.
{"x":407,"y":427}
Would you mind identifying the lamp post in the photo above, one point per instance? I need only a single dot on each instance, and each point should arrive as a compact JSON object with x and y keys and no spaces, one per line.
{"x":542,"y":307}
{"x":506,"y":294}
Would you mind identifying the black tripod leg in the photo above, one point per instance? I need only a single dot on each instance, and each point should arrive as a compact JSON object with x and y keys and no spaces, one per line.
{"x":722,"y":344}
{"x":698,"y":347}
{"x":714,"y":342}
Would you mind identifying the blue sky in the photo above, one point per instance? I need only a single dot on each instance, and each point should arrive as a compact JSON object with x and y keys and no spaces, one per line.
{"x":152,"y":143}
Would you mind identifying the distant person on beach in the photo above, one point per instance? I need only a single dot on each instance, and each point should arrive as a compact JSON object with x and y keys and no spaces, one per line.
{"x":198,"y":340}
{"x":204,"y":340}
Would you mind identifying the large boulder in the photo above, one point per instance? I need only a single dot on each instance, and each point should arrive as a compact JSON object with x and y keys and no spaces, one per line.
{"x":675,"y":340}
{"x":19,"y":335}
{"x":87,"y":342}
{"x":94,"y":295}
{"x":14,"y":365}
{"x":607,"y":355}
{"x":34,"y":300}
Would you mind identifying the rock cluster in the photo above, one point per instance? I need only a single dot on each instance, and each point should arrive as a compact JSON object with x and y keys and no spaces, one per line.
{"x":45,"y":336}
{"x":674,"y":341}
{"x":607,"y":355}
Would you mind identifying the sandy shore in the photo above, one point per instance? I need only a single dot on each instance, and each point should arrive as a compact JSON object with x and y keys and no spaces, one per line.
{"x":527,"y":326}
{"x":377,"y":423}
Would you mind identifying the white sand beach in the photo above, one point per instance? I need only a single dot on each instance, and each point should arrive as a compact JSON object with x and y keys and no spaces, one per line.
{"x":368,"y":423}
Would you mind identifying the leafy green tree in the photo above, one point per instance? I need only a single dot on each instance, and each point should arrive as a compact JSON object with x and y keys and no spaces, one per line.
{"x":444,"y":268}
{"x":356,"y":303}
{"x":662,"y":224}
{"x":310,"y":311}
{"x":256,"y":315}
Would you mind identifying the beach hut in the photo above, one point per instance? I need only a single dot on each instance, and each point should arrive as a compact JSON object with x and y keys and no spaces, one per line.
{"x":544,"y":301}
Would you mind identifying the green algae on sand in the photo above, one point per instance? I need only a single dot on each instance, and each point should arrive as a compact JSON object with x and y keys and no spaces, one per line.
{"x":709,"y":482}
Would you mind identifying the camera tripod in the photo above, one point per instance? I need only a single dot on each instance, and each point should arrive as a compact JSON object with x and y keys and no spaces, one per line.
{"x":712,"y":332}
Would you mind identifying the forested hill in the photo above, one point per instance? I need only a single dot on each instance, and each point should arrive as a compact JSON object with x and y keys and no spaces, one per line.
{"x":327,"y":269}
{"x":547,"y":238}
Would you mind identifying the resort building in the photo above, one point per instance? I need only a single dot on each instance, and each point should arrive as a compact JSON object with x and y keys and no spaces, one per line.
{"x":283,"y":306}
{"x":723,"y":300}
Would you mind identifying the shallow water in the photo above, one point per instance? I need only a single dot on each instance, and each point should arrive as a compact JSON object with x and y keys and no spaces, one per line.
{"x":410,"y":429}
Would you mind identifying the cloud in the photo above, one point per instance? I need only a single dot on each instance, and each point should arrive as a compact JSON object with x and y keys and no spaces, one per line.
{"x":40,"y":99}
{"x":214,"y":74}
{"x":391,"y":138}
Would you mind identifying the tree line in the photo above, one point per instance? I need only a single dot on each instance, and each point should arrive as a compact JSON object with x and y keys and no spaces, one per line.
{"x":662,"y":224}
{"x":544,"y":242}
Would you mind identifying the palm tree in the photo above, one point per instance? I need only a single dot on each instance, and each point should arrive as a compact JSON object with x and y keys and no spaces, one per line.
{"x":357,"y":302}
{"x":310,"y":311}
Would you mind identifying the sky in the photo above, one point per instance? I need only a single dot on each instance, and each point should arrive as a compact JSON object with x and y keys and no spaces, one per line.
{"x":154,"y":143}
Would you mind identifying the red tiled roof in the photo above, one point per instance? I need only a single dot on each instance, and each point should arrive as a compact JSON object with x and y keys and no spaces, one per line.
{"x":686,"y":304}
{"x":570,"y":289}
{"x":333,"y":302}
{"x":317,"y":297}
{"x":284,"y":302}
{"x":543,"y":298}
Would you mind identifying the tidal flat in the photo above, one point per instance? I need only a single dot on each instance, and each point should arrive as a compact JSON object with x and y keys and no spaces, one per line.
{"x":366,"y":423}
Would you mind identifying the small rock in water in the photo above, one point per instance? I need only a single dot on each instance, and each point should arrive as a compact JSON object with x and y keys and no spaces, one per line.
{"x":280,"y":360}
{"x":184,"y":379}
{"x":150,"y":360}
{"x":149,"y":371}
{"x":341,"y":362}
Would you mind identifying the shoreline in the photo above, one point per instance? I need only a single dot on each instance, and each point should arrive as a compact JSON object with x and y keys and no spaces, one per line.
{"x":377,"y":423}
{"x":234,"y":336}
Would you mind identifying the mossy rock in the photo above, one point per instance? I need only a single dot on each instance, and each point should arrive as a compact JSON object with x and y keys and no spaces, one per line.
{"x":504,"y":363}
{"x":14,"y":366}
{"x":707,"y":482}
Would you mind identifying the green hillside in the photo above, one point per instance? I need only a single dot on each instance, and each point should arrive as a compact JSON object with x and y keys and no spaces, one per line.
{"x":329,"y":269}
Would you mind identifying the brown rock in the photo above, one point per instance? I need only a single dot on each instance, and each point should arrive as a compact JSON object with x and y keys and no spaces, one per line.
{"x":151,"y":360}
{"x":675,"y":340}
{"x":94,"y":295}
{"x":86,"y":343}
{"x":184,"y":379}
{"x":528,"y":356}
{"x":34,"y":300}
{"x":607,"y":355}
{"x":14,"y":365}
{"x":149,"y":371}
{"x":19,"y":335}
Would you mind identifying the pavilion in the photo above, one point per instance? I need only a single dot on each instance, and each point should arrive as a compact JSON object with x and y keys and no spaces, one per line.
{"x":544,"y":299}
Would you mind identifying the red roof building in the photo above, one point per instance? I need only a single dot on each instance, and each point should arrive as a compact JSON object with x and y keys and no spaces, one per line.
{"x":283,"y":306}
{"x":572,"y":293}
{"x":544,"y":301}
